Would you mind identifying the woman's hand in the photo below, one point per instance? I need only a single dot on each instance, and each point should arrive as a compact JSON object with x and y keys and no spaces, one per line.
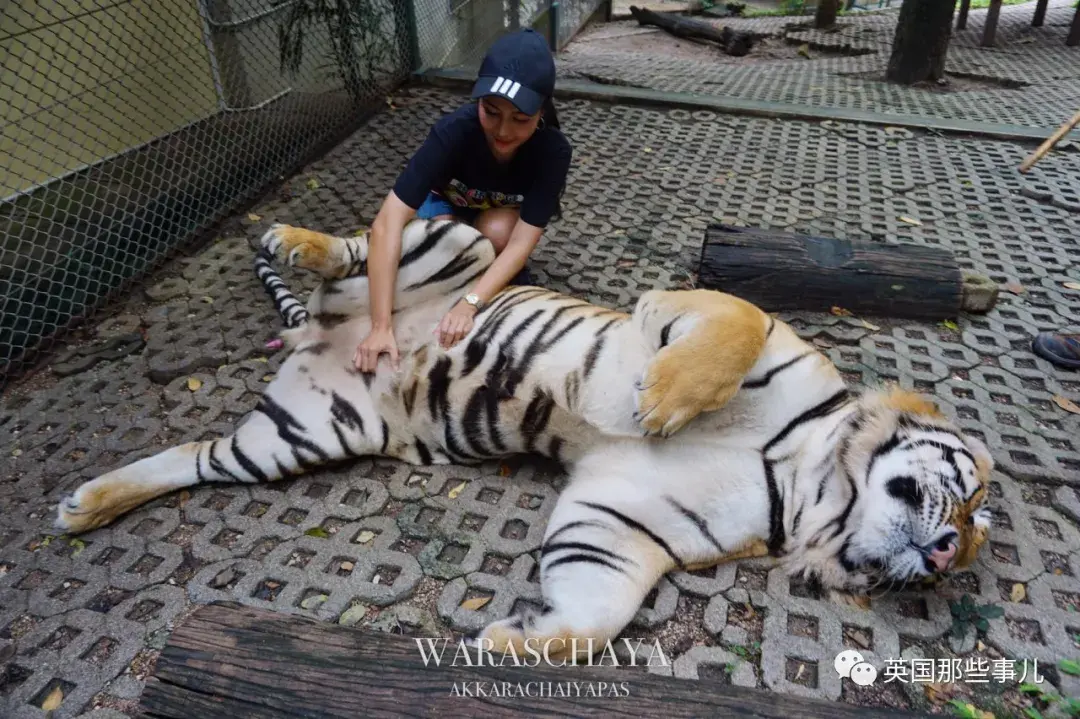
{"x":455,"y":324}
{"x":378,"y":341}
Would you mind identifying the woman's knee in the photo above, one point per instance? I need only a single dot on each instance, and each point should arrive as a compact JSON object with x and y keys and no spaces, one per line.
{"x":497,"y":225}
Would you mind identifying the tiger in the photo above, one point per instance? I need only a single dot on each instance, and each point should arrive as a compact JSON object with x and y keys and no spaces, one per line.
{"x":695,"y":429}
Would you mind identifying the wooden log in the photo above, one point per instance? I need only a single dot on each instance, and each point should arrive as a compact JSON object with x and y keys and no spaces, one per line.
{"x":226,"y":662}
{"x":732,"y":42}
{"x":785,"y":271}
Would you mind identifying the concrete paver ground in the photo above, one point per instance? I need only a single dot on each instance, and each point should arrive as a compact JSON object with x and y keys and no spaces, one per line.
{"x":401,"y":555}
{"x":1029,"y":78}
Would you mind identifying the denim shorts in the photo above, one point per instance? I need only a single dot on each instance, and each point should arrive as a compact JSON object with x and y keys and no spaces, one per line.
{"x":435,"y":205}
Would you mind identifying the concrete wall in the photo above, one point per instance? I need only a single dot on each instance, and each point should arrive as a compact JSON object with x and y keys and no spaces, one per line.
{"x":80,"y":82}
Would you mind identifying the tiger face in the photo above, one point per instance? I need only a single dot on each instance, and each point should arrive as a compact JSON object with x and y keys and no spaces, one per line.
{"x":921,"y":509}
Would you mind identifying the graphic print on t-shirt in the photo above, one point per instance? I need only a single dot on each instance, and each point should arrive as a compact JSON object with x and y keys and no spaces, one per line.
{"x":461,"y":195}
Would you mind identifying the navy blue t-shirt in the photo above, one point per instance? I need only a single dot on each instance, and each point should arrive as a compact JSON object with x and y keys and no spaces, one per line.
{"x":456,"y":163}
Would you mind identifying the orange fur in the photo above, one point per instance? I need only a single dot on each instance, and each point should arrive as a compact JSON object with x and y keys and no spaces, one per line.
{"x":700,"y":371}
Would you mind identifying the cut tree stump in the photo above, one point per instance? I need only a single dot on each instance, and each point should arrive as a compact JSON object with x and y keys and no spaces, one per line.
{"x":226,"y":662}
{"x":732,"y":42}
{"x":785,"y":271}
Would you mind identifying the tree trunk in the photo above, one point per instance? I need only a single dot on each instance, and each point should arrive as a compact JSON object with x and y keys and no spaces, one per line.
{"x":921,"y":41}
{"x":825,"y":17}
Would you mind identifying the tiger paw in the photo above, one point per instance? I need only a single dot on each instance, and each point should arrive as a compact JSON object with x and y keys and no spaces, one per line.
{"x":301,"y":248}
{"x":674,"y":391}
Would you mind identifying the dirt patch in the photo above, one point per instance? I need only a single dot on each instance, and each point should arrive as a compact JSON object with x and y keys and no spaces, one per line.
{"x":953,"y":82}
{"x":628,"y":37}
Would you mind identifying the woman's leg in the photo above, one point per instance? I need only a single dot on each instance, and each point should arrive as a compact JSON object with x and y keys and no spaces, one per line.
{"x":496,"y":225}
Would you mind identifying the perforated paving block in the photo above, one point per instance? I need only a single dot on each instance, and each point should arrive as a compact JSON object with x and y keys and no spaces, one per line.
{"x":379,"y":534}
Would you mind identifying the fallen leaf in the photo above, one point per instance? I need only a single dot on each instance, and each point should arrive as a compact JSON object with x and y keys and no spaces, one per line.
{"x":456,"y":490}
{"x":53,"y":701}
{"x":365,"y":536}
{"x":79,"y":545}
{"x":840,"y":312}
{"x":208,"y":300}
{"x":938,"y":692}
{"x":313,"y":601}
{"x":317,"y":532}
{"x":16,"y":452}
{"x":1015,"y":287}
{"x":194,"y":384}
{"x":869,"y":326}
{"x":313,"y":184}
{"x":910,"y":221}
{"x":1017,"y":594}
{"x":253,"y":217}
{"x":353,"y":615}
{"x":475,"y":603}
{"x":949,"y":324}
{"x":261,"y":359}
{"x":804,"y":50}
{"x":648,"y":149}
{"x":1073,"y":285}
{"x":1066,"y":404}
{"x":267,"y":377}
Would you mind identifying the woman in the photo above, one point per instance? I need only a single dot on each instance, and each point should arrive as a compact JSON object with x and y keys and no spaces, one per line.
{"x":499,"y":163}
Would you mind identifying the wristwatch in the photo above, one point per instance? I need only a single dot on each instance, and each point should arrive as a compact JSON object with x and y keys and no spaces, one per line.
{"x":474,"y":300}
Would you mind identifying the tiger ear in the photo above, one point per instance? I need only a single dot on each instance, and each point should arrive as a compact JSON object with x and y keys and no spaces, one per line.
{"x":984,"y":461}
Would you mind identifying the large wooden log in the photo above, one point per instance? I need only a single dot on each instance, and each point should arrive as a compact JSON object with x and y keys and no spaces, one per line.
{"x":785,"y":271}
{"x":226,"y":662}
{"x":732,"y":42}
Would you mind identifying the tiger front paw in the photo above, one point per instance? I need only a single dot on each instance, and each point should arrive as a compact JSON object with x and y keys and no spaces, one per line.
{"x":674,"y":391}
{"x":301,"y":248}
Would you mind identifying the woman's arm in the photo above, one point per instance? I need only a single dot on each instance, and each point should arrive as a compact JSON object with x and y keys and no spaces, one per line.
{"x":459,"y":320}
{"x":384,"y":254}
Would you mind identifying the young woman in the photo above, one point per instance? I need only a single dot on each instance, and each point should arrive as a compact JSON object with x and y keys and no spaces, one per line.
{"x":499,"y":163}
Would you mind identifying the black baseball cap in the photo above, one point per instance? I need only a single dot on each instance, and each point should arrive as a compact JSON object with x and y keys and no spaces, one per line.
{"x":519,"y":67}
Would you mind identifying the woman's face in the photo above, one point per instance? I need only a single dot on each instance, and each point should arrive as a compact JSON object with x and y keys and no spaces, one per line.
{"x":505,"y":126}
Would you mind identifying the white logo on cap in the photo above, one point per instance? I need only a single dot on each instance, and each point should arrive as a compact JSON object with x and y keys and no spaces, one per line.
{"x":506,"y":86}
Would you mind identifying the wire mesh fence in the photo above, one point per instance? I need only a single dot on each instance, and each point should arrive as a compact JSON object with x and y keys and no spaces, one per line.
{"x":129,"y":127}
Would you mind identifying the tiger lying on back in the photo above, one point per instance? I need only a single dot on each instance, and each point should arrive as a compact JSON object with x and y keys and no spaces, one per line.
{"x":697,"y":429}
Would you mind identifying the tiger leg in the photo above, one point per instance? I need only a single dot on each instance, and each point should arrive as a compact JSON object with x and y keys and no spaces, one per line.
{"x":595,"y":572}
{"x":706,"y":343}
{"x":288,"y":434}
{"x":331,"y":257}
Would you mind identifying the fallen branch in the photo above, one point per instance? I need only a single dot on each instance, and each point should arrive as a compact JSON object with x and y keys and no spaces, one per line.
{"x":732,"y":42}
{"x":1049,"y":142}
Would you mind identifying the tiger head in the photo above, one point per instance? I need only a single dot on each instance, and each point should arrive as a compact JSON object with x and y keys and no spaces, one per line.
{"x":915,"y":494}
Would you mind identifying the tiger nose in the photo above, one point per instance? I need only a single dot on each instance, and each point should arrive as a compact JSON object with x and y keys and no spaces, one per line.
{"x":942,"y":557}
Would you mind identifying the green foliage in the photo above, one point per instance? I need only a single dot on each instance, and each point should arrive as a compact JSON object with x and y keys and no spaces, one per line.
{"x":966,"y":612}
{"x":1070,"y":666}
{"x":362,"y":41}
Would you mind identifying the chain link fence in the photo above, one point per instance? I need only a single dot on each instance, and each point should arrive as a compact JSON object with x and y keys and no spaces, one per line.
{"x":130,"y":127}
